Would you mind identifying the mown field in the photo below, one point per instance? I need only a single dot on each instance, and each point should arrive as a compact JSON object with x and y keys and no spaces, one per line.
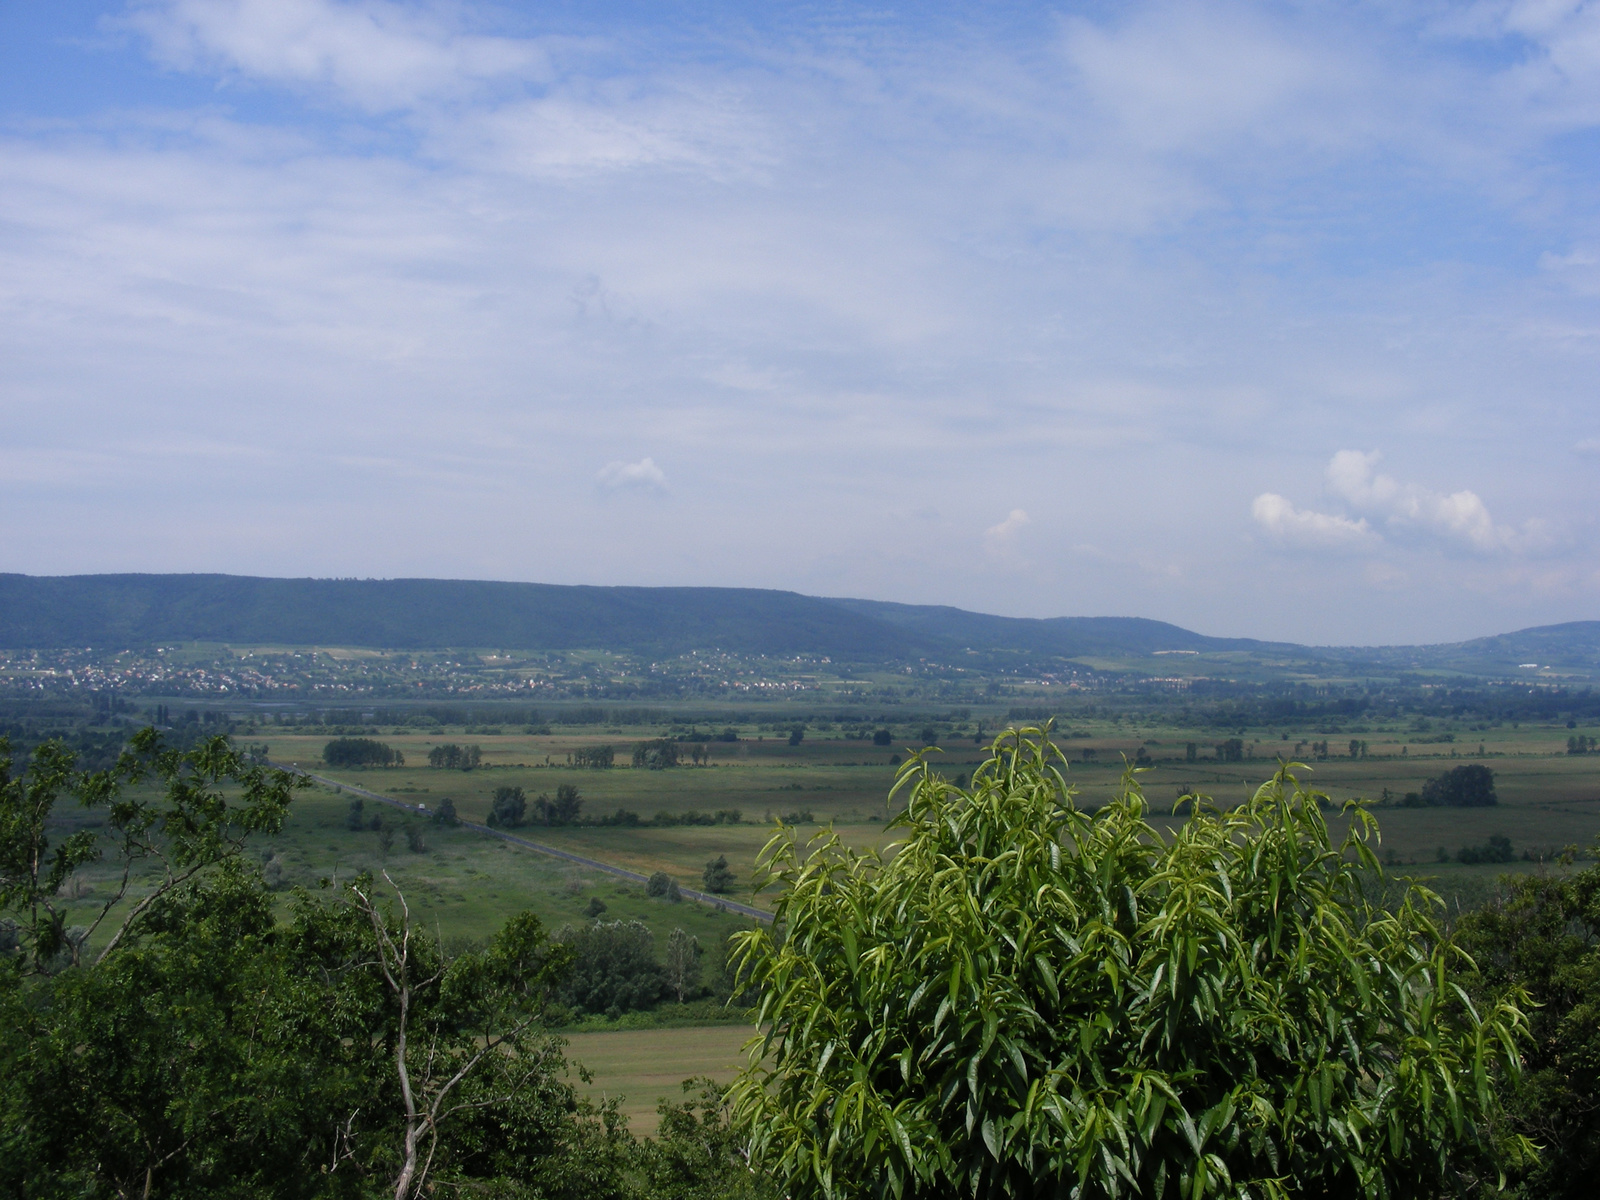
{"x":643,"y":1067}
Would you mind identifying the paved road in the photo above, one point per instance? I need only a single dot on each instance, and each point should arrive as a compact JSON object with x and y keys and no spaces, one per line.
{"x":593,"y":864}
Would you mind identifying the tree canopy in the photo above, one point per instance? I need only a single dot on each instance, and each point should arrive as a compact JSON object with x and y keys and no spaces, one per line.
{"x":1027,"y":998}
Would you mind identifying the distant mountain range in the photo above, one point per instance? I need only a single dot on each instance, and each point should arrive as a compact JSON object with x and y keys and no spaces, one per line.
{"x":113,"y":611}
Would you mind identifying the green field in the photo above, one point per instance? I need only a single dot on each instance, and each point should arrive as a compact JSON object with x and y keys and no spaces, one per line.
{"x":644,"y":1067}
{"x":1548,"y":799}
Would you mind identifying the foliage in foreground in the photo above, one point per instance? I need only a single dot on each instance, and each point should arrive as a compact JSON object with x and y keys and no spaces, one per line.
{"x":213,"y":1049}
{"x":1542,"y":934}
{"x":1030,"y":999}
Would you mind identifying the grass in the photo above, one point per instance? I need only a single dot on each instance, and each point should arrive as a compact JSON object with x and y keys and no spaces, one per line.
{"x":644,"y":1067}
{"x":1548,"y":799}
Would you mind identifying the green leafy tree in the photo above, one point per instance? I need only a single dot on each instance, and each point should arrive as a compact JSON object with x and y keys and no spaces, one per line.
{"x":170,"y":815}
{"x":683,"y":964}
{"x":614,"y":967}
{"x":717,"y":875}
{"x":662,"y":886}
{"x":509,"y":807}
{"x":1541,"y":935}
{"x":1029,"y":999}
{"x":1469,"y":786}
{"x":361,"y":752}
{"x":697,"y":1153}
{"x":464,"y":1030}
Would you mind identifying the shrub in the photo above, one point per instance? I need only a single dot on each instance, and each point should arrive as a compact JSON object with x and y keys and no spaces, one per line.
{"x":1029,"y":999}
{"x":1496,"y":850}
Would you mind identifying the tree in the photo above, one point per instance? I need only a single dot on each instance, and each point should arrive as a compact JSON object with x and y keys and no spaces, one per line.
{"x":717,"y":876}
{"x":361,"y":752}
{"x":214,"y":1050}
{"x":453,"y":1018}
{"x":455,"y":758}
{"x":445,"y":814}
{"x":797,"y":735}
{"x":882,"y":738}
{"x":655,"y":755}
{"x":614,"y":968}
{"x":683,"y":963}
{"x":662,"y":886}
{"x":563,"y":810}
{"x":1541,"y":935}
{"x":1470,"y":786}
{"x":508,"y":808}
{"x":203,"y":804}
{"x":697,"y":1154}
{"x":355,"y":819}
{"x":1030,"y":999}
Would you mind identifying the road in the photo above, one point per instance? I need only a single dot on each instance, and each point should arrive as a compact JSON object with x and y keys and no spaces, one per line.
{"x":592,"y":864}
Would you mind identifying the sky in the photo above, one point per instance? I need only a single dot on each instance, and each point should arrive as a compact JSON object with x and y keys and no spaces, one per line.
{"x":1270,"y":320}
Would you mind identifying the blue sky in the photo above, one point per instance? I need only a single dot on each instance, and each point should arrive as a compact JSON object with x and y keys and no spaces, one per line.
{"x":1270,"y":320}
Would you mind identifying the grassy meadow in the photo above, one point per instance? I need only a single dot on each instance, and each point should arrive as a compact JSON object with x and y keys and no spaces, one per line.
{"x":1548,"y":798}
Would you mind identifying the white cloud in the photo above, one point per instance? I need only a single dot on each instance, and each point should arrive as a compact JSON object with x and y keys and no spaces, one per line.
{"x":643,"y":475}
{"x":1457,"y":517}
{"x":377,"y":55}
{"x":1303,"y":527}
{"x":1587,"y":446}
{"x":1001,"y":540}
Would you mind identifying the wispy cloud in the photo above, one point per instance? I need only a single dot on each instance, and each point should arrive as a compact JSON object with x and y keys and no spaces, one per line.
{"x":374,"y":54}
{"x":643,"y":475}
{"x":1003,"y":540}
{"x":1121,"y":266}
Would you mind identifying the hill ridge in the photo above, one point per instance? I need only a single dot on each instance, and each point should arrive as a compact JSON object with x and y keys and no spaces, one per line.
{"x":136,"y":609}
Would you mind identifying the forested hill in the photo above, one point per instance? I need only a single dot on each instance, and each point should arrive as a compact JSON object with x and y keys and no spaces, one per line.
{"x":113,"y":611}
{"x":416,"y":614}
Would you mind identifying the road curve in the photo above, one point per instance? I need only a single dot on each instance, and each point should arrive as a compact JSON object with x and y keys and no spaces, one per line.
{"x":593,"y":864}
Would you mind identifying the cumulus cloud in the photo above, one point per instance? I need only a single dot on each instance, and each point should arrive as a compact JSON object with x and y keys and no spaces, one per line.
{"x":1587,"y":446}
{"x":643,"y":476}
{"x":1457,"y":517}
{"x":1379,"y":505}
{"x":1304,"y":527}
{"x":376,"y":55}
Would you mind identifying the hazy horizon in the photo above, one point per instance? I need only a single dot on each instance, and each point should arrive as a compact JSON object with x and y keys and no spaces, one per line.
{"x":1266,"y":320}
